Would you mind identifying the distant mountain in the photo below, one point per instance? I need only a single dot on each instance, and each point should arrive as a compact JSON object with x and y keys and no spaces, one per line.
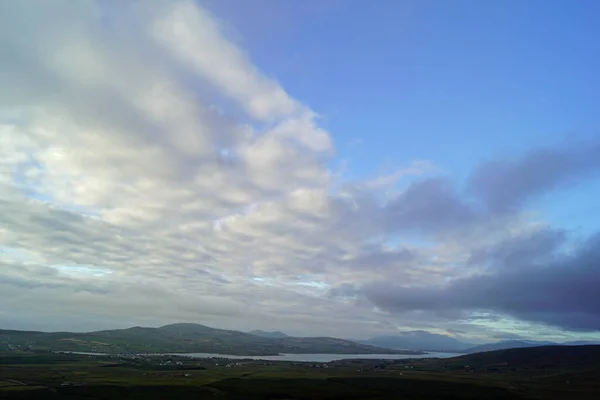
{"x":182,"y":338}
{"x":508,"y":344}
{"x":419,"y":340}
{"x":539,"y":343}
{"x":581,"y":343}
{"x":271,"y":334}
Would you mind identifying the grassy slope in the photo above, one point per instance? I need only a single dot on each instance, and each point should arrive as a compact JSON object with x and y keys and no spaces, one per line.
{"x":183,"y":338}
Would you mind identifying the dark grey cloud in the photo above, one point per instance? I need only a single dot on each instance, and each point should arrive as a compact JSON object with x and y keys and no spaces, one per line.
{"x":547,"y":286}
{"x":505,"y":185}
{"x":455,"y":331}
{"x":25,"y":277}
{"x":495,"y":189}
{"x":376,"y":257}
{"x":429,"y":205}
{"x":535,"y":247}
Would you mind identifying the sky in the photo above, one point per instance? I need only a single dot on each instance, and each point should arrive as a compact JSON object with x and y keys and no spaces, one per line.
{"x":332,"y":167}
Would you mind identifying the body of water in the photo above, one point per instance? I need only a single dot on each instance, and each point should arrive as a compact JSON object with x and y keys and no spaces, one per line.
{"x":321,"y":358}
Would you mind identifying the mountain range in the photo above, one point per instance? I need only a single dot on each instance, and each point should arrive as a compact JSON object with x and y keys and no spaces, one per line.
{"x":269,"y":334}
{"x":426,"y":341}
{"x":419,"y":340}
{"x":183,"y":338}
{"x":195,"y":338}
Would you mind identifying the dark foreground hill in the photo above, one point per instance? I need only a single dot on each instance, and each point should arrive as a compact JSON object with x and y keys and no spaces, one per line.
{"x":539,"y":357}
{"x":514,"y":344}
{"x":183,"y":338}
{"x":508,"y":344}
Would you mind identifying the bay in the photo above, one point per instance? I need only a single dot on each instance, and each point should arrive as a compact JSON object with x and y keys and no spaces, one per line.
{"x":320,"y":358}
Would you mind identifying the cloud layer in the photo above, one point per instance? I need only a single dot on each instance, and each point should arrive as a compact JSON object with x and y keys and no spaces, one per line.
{"x":149,"y":173}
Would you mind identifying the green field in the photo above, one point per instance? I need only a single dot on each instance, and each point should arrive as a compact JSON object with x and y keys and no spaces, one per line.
{"x":540,"y":373}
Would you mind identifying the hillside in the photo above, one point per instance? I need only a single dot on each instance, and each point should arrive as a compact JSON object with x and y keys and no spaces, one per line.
{"x":418,"y":340}
{"x":182,"y":338}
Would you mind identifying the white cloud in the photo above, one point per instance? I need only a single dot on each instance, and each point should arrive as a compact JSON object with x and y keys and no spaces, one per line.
{"x":194,"y":37}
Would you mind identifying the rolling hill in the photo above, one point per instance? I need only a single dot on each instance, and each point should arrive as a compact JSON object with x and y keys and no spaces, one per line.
{"x":183,"y":338}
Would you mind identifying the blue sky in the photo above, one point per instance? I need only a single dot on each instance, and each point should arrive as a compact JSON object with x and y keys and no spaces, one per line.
{"x":454,"y":82}
{"x":316,"y":167}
